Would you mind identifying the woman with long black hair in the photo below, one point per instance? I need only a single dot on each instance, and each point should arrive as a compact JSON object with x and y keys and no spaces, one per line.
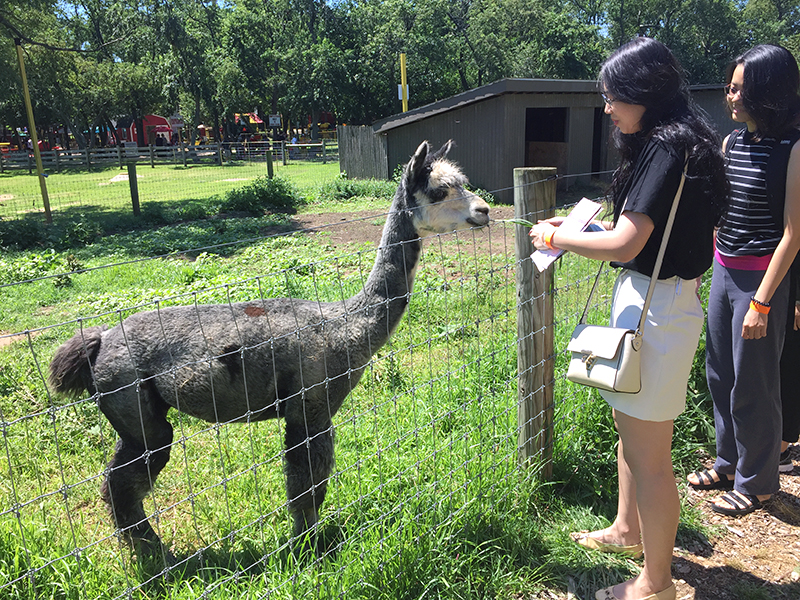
{"x":659,"y":133}
{"x":747,"y":309}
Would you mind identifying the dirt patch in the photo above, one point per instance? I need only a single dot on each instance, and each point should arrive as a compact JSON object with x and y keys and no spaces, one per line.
{"x":366,"y":227}
{"x":759,"y":551}
{"x":6,"y":340}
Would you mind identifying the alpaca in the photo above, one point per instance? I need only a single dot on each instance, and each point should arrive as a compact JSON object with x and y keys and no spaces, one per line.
{"x":263,"y":359}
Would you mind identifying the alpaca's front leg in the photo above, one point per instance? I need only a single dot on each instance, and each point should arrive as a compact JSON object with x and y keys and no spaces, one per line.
{"x":309,"y":461}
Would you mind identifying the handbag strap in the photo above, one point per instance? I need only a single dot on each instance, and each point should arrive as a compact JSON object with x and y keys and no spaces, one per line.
{"x":659,"y":258}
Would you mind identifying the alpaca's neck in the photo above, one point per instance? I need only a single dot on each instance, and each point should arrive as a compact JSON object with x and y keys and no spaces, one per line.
{"x":387,"y":291}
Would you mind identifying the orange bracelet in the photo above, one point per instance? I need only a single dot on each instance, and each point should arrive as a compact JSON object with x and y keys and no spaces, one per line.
{"x":762,"y":310}
{"x":548,"y":239}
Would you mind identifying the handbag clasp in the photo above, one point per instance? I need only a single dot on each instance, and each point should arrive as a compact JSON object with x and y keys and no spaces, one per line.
{"x":588,"y":357}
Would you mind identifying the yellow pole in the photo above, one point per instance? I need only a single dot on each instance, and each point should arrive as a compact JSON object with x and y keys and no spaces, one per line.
{"x":403,"y":81}
{"x":32,"y":132}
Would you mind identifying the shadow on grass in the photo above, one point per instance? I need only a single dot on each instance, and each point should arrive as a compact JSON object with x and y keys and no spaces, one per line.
{"x":248,"y":560}
{"x":161,"y":228}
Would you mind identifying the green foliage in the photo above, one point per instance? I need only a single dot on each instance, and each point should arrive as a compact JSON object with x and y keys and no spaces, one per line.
{"x":261,"y":195}
{"x":342,"y":189}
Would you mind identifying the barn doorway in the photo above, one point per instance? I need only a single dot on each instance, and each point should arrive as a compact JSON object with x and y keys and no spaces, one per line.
{"x":546,"y":138}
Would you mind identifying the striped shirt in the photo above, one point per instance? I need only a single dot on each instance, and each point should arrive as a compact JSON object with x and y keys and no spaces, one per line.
{"x":748,"y":228}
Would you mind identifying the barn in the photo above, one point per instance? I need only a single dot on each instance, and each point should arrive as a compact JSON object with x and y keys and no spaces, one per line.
{"x":497,"y":127}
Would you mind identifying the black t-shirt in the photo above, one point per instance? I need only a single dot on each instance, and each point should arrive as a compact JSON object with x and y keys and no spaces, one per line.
{"x":650,"y":191}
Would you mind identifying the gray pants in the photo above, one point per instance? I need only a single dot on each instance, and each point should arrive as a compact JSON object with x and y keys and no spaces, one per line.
{"x":744,"y":380}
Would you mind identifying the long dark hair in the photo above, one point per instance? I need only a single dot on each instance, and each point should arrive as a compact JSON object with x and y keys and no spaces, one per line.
{"x":770,"y":93}
{"x":646,"y":73}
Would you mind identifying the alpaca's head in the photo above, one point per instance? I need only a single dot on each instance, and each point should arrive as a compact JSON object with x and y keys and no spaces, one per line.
{"x":435,"y":193}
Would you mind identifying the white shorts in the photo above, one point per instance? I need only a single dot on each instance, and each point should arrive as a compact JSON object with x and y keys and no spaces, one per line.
{"x":670,"y":337}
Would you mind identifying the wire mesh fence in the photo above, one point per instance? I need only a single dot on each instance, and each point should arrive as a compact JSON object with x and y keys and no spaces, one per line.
{"x":100,"y":179}
{"x":426,"y":443}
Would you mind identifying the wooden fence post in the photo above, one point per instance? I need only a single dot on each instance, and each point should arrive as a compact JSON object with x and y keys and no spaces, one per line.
{"x":219,"y":153}
{"x":88,"y":159}
{"x":270,"y":172}
{"x":324,"y":154}
{"x":283,"y":151}
{"x":152,"y":157}
{"x":134,"y":185}
{"x":534,"y":199}
{"x":119,"y":156}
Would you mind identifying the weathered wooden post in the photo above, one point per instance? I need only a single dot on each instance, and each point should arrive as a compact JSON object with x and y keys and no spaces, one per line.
{"x":534,"y":199}
{"x":152,"y":156}
{"x":134,"y":185}
{"x":119,"y":156}
{"x":270,"y":172}
{"x":283,"y":151}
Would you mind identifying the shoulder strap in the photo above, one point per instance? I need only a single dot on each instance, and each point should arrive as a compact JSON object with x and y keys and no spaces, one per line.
{"x":732,"y":139}
{"x":776,"y":171}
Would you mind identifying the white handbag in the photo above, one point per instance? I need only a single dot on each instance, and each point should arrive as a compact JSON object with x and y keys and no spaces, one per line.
{"x":609,"y":358}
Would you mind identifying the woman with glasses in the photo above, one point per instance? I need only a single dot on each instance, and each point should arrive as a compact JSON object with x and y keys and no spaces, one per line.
{"x":658,"y":132}
{"x":747,"y":311}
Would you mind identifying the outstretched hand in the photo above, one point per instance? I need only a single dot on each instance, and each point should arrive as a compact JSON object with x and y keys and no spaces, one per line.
{"x":539,"y":232}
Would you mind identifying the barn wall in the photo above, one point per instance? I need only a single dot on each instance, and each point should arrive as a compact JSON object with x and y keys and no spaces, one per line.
{"x":477,"y":130}
{"x":713,"y":102}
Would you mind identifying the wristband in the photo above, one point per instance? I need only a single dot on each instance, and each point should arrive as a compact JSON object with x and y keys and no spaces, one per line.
{"x":759,"y":308}
{"x":547,"y":238}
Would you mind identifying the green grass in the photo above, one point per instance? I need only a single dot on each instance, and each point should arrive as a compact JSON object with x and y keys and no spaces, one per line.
{"x":107,"y":189}
{"x":426,"y":499}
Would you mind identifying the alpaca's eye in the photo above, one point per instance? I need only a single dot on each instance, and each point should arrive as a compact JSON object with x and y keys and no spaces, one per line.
{"x":438,"y":194}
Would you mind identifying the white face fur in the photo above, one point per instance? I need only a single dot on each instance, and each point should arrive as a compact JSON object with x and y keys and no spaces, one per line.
{"x":445,"y":205}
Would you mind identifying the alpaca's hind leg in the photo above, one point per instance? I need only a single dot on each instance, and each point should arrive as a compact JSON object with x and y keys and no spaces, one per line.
{"x":140,"y":454}
{"x":309,"y":460}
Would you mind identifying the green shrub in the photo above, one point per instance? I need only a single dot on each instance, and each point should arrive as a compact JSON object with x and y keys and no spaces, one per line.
{"x":342,"y":188}
{"x":74,"y":233}
{"x":21,"y":233}
{"x":261,"y":194}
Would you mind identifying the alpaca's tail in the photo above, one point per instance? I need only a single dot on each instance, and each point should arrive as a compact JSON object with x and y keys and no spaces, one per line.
{"x":71,"y":367}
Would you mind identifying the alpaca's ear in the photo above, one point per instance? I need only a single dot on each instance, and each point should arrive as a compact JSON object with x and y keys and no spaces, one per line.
{"x":418,"y":160}
{"x":442,"y":152}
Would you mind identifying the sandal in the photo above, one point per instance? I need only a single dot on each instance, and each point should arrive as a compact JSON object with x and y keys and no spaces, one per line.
{"x":743,"y":504}
{"x":582,"y":539}
{"x":705,"y":481}
{"x":668,"y":594}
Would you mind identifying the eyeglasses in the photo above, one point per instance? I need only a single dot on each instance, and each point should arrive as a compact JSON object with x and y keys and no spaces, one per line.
{"x":608,"y":100}
{"x":732,"y":90}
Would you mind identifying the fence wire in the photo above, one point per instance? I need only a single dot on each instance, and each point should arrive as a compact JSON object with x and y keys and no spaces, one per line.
{"x":425,"y":444}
